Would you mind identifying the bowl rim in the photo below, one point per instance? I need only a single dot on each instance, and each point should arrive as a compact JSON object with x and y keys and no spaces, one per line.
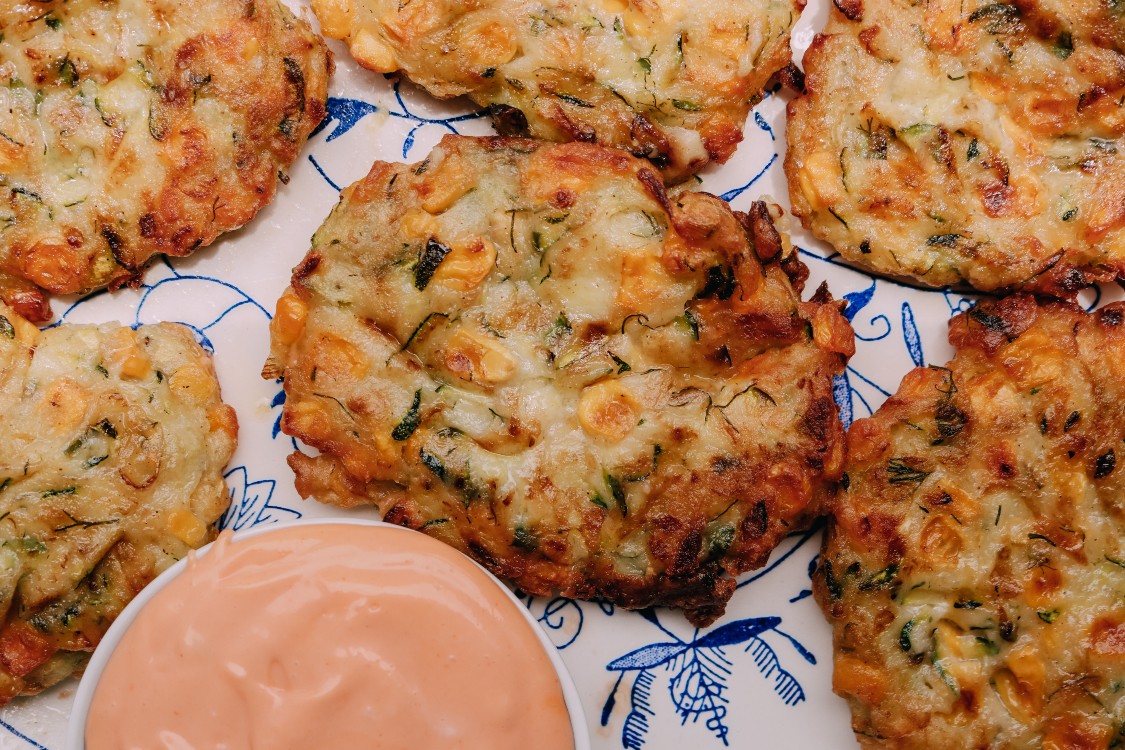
{"x":83,"y":697}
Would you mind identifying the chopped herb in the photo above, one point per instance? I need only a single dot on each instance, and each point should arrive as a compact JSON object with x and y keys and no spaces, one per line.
{"x":524,"y":539}
{"x":5,"y":484}
{"x":1104,"y":144}
{"x":904,"y":635}
{"x":916,"y":129}
{"x":91,"y":463}
{"x":434,"y":522}
{"x":720,"y":282}
{"x":1070,"y":214}
{"x":102,"y":370}
{"x":686,"y":105}
{"x":1048,"y":616}
{"x":1064,"y":45}
{"x":691,"y":322}
{"x":409,"y":423}
{"x":570,"y":99}
{"x":622,"y":365}
{"x":1118,"y":563}
{"x":987,"y":647}
{"x":52,"y":21}
{"x":618,"y":493}
{"x":974,"y":150}
{"x":433,"y":463}
{"x":721,"y":540}
{"x":945,"y":240}
{"x":107,"y":427}
{"x":596,"y":499}
{"x":1072,"y":420}
{"x":1043,"y":538}
{"x":559,"y":330}
{"x":646,"y":64}
{"x":835,"y":590}
{"x":998,"y":509}
{"x":31,"y":545}
{"x":1104,"y":465}
{"x":838,"y":218}
{"x":428,"y":262}
{"x":1001,"y":17}
{"x":418,"y":330}
{"x":62,"y":491}
{"x":883,"y":578}
{"x":7,"y":330}
{"x":966,"y":604}
{"x":902,"y":473}
{"x":66,"y":71}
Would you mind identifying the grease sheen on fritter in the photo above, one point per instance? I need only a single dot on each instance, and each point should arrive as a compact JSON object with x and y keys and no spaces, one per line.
{"x":966,"y":142}
{"x":975,"y":571}
{"x":130,"y":128}
{"x":112,"y":449}
{"x":670,"y":80}
{"x":534,"y":353}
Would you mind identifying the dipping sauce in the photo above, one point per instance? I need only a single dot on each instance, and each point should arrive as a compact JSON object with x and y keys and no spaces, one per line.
{"x":329,"y":636}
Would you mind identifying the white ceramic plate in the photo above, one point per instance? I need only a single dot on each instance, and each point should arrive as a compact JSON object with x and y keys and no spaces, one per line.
{"x":761,"y":676}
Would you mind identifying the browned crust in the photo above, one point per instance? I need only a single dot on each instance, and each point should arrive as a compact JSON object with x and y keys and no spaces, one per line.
{"x":982,"y":501}
{"x":755,"y":332}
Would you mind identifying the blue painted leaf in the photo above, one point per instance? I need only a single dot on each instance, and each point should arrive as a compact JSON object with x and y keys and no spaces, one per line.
{"x":784,"y":684}
{"x":647,"y":657}
{"x":737,"y":632}
{"x":635,"y":731}
{"x":346,"y":112}
{"x":730,"y":195}
{"x":611,"y":701}
{"x":911,"y":337}
{"x":842,"y":393}
{"x":762,"y":124}
{"x":858,"y":300}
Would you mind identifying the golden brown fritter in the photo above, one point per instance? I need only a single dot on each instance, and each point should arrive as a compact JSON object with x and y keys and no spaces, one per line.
{"x":534,"y":353}
{"x":966,"y":142}
{"x":132,"y":128}
{"x":112,"y":448}
{"x":670,"y":80}
{"x":974,"y":574}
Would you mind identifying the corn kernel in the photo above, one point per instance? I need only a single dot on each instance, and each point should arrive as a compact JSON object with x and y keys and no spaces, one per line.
{"x":821,"y":180}
{"x":445,"y":185}
{"x":474,"y":357}
{"x":373,"y":53}
{"x":334,"y":16}
{"x":417,"y":224}
{"x":852,"y":676}
{"x":186,"y":527}
{"x":251,"y":49}
{"x":608,"y":409}
{"x":467,"y":265}
{"x":194,"y":383}
{"x":289,"y":322}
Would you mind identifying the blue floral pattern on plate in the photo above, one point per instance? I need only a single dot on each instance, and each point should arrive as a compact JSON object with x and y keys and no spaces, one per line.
{"x":759,"y":677}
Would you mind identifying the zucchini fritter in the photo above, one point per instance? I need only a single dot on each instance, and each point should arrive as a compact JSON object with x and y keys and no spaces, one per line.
{"x":974,"y":574}
{"x":966,"y":142}
{"x":534,"y":353}
{"x":670,"y":80}
{"x":131,"y":128}
{"x":112,"y":448}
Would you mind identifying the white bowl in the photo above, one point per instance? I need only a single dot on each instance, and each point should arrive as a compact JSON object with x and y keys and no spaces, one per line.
{"x":76,"y":729}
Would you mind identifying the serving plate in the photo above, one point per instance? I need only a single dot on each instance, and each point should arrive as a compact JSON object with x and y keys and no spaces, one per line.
{"x":761,"y":676}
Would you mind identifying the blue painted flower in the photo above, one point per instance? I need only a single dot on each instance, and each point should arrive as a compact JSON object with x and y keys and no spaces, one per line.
{"x":697,"y":672}
{"x":250,"y":502}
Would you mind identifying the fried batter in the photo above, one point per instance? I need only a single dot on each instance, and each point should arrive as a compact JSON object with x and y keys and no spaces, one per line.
{"x":670,"y":80}
{"x":129,"y":129}
{"x":533,"y":352}
{"x":112,"y":448}
{"x":966,"y":142}
{"x":974,"y":574}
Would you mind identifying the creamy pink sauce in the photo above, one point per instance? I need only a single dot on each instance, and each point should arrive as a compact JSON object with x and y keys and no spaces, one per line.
{"x":334,"y":637}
